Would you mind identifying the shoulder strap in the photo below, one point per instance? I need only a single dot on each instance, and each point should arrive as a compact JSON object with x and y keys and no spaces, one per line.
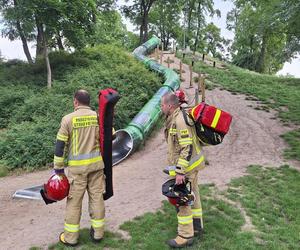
{"x":185,"y":116}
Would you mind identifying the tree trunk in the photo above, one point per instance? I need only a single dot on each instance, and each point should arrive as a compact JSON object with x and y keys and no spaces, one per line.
{"x":145,"y":35}
{"x":191,"y":5}
{"x":198,"y":26}
{"x":59,"y":43}
{"x":39,"y":38}
{"x":24,"y":43}
{"x":49,"y":73}
{"x":23,"y":38}
{"x":141,"y":27}
{"x":144,"y":12}
{"x":168,"y":40}
{"x":46,"y":55}
{"x":141,"y":34}
{"x":261,"y":67}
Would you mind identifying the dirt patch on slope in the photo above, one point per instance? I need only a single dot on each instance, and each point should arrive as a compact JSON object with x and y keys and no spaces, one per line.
{"x":253,"y":139}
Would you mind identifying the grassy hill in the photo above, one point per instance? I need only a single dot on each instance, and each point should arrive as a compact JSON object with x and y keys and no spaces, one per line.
{"x":272,"y":92}
{"x":30,"y":114}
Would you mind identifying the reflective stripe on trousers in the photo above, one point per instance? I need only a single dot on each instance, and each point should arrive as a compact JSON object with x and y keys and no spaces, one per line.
{"x":72,"y":228}
{"x":58,"y":159}
{"x":197,"y":212}
{"x":183,"y":220}
{"x":97,"y":223}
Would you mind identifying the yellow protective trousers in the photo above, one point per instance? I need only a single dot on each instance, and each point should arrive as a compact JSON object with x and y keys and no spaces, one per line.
{"x":94,"y":184}
{"x":186,"y":214}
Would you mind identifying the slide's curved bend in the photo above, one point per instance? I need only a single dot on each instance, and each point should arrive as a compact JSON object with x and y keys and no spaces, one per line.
{"x":128,"y":139}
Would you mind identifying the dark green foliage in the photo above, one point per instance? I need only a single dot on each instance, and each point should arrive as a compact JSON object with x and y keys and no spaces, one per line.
{"x":19,"y":73}
{"x":32,"y":114}
{"x":11,"y":98}
{"x":265,"y":34}
{"x":28,"y":144}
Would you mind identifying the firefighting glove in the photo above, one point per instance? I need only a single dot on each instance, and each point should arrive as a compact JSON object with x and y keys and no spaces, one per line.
{"x":170,"y":170}
{"x":59,"y":171}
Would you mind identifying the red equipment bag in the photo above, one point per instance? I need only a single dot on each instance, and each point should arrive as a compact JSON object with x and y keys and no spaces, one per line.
{"x":107,"y":99}
{"x":211,"y":117}
{"x":211,"y":123}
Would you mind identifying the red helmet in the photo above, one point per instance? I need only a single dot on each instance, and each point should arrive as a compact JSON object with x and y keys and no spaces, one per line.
{"x":181,"y":96}
{"x":178,"y":195}
{"x":57,"y":188}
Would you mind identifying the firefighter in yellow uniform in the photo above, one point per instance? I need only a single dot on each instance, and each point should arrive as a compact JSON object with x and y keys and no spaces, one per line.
{"x":78,"y":144}
{"x":185,"y":154}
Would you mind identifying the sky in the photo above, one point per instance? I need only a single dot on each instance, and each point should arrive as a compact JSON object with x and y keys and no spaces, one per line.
{"x":11,"y":50}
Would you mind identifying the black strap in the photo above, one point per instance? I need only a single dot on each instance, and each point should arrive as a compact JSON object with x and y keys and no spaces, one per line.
{"x":185,"y":116}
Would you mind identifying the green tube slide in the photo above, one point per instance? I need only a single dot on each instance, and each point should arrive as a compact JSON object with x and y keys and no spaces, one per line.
{"x":128,"y":139}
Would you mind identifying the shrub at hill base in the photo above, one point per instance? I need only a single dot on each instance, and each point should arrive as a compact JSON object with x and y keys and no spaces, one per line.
{"x":31,"y":114}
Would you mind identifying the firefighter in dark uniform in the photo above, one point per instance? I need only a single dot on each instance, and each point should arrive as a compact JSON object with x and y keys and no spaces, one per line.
{"x":185,"y":154}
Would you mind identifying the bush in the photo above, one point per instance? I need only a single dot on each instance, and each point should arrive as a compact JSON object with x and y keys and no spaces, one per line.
{"x":11,"y":98}
{"x":28,"y":144}
{"x":33,"y":114}
{"x":48,"y":105}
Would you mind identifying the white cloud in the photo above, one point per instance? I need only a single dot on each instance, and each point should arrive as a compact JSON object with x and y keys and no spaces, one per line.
{"x":292,"y":68}
{"x":14,"y":49}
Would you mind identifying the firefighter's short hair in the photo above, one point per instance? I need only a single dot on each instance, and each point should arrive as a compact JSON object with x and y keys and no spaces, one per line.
{"x":83,"y":97}
{"x":171,"y":99}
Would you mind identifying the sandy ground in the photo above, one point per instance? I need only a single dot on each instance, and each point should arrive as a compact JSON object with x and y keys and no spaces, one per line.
{"x":253,"y":139}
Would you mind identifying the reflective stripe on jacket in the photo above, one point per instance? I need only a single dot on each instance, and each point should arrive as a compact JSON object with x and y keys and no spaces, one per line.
{"x":78,"y":141}
{"x":184,"y":150}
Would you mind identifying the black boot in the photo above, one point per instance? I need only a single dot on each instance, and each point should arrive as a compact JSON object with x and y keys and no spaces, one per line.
{"x":92,"y":234}
{"x":198,"y":230}
{"x":180,"y":242}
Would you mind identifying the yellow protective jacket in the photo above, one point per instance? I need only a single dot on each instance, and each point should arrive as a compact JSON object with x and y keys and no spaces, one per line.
{"x":184,"y":149}
{"x":77,"y":142}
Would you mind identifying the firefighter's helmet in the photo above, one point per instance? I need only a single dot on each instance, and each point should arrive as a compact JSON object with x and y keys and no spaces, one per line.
{"x":180,"y":95}
{"x":178,"y":195}
{"x":56,"y":189}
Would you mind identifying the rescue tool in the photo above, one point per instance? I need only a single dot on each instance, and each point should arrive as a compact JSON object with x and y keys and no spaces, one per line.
{"x":107,"y":100}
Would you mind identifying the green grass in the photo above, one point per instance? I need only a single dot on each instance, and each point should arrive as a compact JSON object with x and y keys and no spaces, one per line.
{"x":272,"y":92}
{"x":270,"y":197}
{"x":293,"y":139}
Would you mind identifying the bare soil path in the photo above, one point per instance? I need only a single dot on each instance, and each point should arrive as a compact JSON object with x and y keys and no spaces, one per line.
{"x":253,"y":139}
